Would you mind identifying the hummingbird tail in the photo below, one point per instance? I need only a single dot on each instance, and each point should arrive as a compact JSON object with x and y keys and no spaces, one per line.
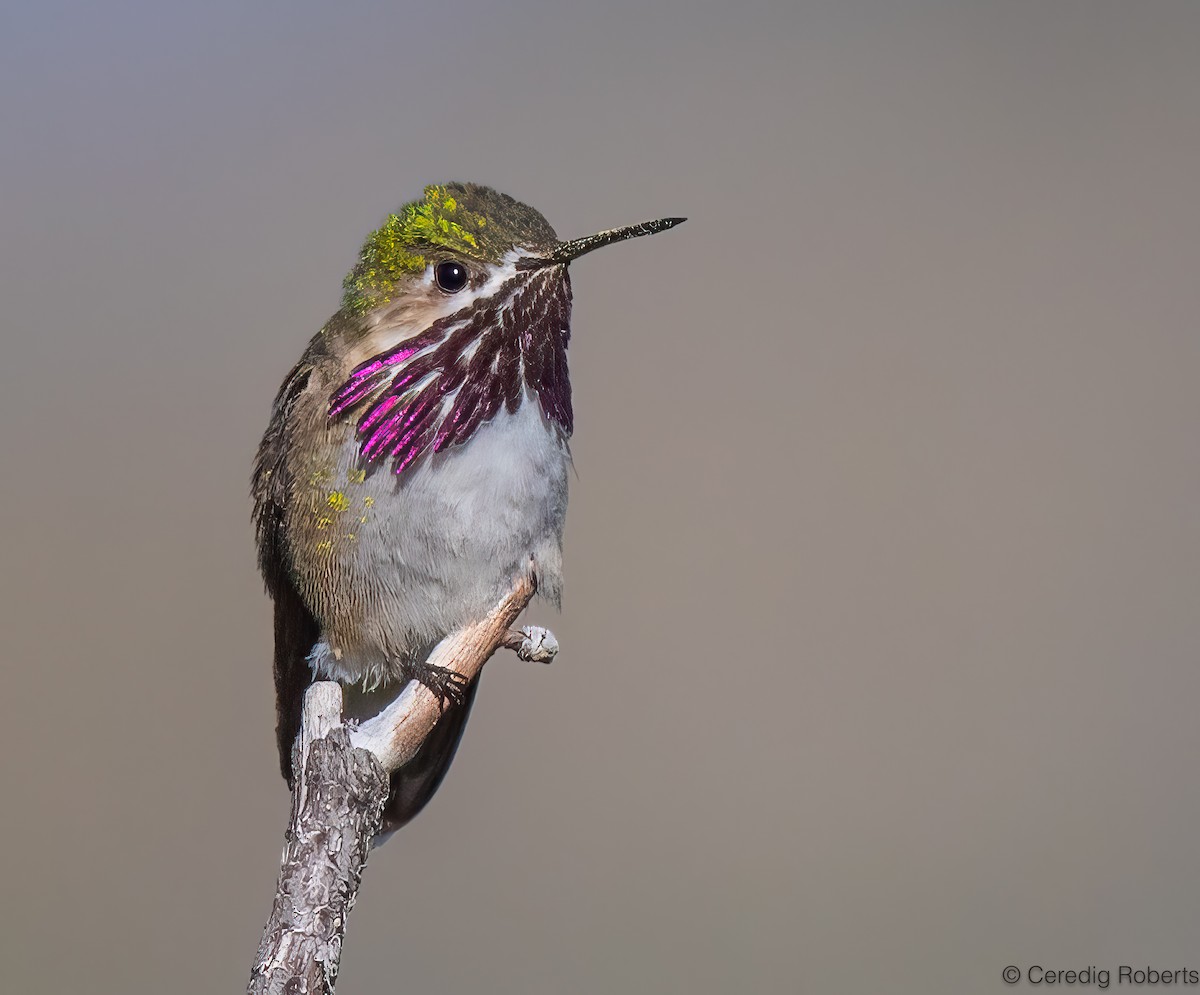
{"x":417,"y":781}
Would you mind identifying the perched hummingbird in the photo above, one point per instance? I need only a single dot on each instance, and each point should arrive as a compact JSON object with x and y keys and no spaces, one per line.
{"x":417,"y":457}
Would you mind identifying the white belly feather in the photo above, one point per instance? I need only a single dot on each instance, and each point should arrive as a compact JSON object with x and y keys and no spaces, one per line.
{"x":438,"y":547}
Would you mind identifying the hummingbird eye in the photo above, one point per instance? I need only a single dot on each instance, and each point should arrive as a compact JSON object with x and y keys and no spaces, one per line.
{"x":451,"y":276}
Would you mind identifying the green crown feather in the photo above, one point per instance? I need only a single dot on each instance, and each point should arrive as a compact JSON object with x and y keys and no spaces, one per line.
{"x":400,"y":245}
{"x":461,"y":219}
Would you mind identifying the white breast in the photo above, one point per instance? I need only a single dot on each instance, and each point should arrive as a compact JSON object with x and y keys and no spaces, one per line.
{"x":440,"y":545}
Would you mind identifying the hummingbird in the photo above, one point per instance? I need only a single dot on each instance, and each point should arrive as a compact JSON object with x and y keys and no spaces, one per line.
{"x":416,"y":459}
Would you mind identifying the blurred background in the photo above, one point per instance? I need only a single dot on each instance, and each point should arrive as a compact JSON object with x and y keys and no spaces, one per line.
{"x":880,"y":638}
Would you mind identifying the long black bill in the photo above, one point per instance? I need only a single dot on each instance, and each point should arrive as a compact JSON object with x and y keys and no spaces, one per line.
{"x":567,"y":251}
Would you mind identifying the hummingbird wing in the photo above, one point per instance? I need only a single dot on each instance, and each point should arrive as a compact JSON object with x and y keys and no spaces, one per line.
{"x":296,"y":630}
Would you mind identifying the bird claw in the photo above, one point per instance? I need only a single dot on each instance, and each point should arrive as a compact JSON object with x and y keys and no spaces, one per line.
{"x":449,"y":685}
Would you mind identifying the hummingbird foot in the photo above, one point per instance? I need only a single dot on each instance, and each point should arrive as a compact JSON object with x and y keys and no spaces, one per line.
{"x":449,"y":685}
{"x":532,"y":643}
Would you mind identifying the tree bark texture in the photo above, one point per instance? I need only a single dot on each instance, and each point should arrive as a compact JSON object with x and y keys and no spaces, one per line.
{"x":338,"y":799}
{"x":337,"y":806}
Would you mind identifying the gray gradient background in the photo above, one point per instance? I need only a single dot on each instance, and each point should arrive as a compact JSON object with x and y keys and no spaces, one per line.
{"x":880,"y":638}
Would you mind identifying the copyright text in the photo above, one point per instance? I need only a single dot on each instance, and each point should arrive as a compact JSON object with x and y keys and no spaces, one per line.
{"x":1099,"y":977}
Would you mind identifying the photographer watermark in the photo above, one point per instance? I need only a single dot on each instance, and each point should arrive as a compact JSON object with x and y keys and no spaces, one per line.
{"x":1099,"y":977}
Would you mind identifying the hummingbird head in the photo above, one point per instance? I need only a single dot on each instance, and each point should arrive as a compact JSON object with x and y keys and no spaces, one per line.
{"x":467,"y":293}
{"x":457,"y":234}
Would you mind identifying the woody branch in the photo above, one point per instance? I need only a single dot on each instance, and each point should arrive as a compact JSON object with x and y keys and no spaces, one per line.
{"x":339,"y":794}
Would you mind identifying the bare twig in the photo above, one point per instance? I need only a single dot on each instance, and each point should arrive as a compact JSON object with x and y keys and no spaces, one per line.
{"x":337,"y":805}
{"x":396,"y":733}
{"x":338,"y":799}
